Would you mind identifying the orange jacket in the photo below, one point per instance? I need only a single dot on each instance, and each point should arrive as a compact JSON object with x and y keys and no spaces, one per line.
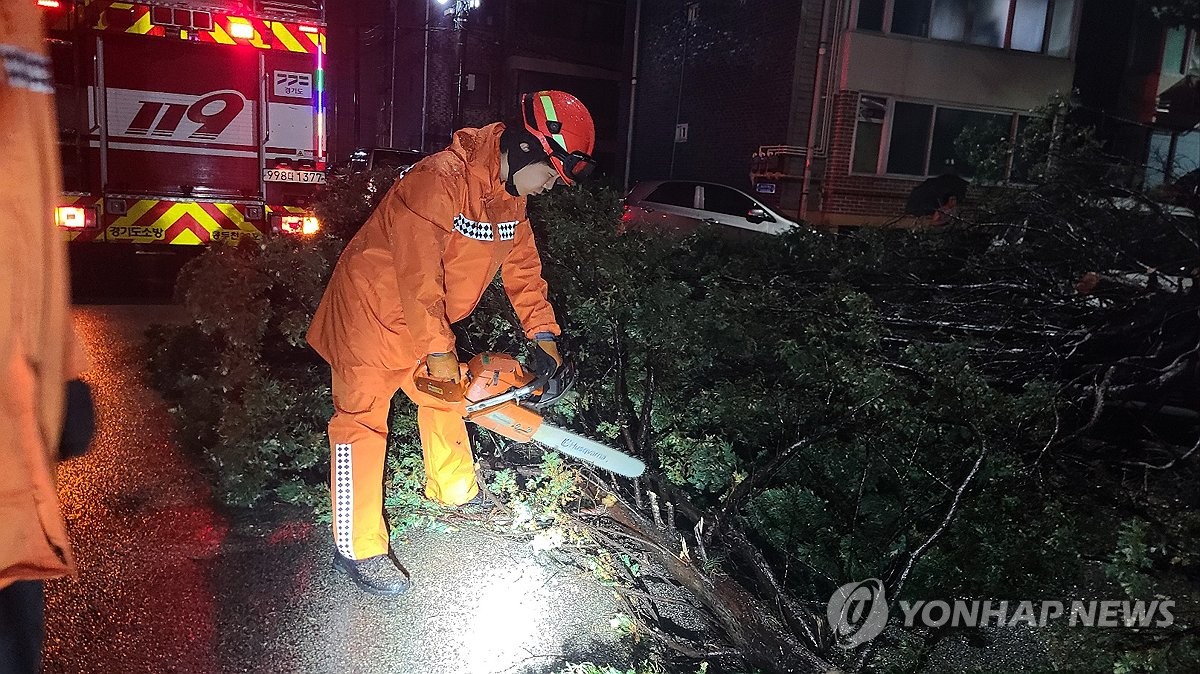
{"x":38,"y":353}
{"x":424,"y":258}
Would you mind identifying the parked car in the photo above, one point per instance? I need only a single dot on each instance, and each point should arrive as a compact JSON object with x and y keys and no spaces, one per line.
{"x":365,"y":159}
{"x":685,"y":206}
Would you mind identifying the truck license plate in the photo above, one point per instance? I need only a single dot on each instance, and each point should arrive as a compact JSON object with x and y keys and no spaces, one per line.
{"x":293,"y":176}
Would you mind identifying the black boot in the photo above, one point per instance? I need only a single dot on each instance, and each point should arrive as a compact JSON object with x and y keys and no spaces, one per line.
{"x":480,"y":506}
{"x":377,"y":575}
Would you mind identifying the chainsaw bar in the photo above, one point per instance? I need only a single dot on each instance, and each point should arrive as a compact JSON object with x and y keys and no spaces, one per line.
{"x":586,"y":449}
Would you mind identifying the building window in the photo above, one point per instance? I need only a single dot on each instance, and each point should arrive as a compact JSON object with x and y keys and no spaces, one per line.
{"x":870,"y":14}
{"x":987,"y":129}
{"x":1061,"y":26}
{"x":868,"y":133}
{"x":1172,"y":156}
{"x":1029,"y":24}
{"x":681,"y":133}
{"x":978,"y":22}
{"x":1040,"y":26}
{"x":920,"y":139}
{"x":1191,"y":66}
{"x":1175,"y":50}
{"x":909,"y":138}
{"x":910,"y":17}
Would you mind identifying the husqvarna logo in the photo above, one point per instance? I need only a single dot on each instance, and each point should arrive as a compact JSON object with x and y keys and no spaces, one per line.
{"x":222,"y":116}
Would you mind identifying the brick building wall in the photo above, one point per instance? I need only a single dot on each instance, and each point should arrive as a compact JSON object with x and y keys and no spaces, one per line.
{"x":846,"y":198}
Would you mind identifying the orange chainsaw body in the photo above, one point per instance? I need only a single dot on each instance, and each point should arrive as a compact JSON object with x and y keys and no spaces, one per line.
{"x":488,"y":376}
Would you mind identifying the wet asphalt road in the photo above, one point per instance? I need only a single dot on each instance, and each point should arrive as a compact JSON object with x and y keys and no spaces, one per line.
{"x":170,"y":583}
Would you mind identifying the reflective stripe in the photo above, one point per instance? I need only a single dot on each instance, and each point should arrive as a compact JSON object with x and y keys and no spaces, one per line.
{"x":26,"y":69}
{"x":482,"y":231}
{"x":343,"y":500}
{"x":268,"y":34}
{"x":552,"y":116}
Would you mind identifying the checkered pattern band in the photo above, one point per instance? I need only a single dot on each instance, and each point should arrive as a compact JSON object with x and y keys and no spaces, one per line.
{"x":482,"y":231}
{"x":343,"y":501}
{"x":27,"y":69}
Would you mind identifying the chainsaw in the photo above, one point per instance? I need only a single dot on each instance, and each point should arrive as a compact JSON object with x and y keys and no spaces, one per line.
{"x":496,"y":392}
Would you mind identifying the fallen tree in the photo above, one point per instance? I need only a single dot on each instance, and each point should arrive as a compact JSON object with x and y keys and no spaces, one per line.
{"x":927,"y":409}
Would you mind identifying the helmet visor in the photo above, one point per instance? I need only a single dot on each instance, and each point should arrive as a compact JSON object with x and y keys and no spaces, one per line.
{"x":572,"y":166}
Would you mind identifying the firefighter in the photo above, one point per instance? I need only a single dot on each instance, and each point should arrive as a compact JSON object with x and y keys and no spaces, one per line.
{"x":420,"y":263}
{"x":38,"y":351}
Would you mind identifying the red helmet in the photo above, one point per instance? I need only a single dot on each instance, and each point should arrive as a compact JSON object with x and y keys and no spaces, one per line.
{"x":564,"y":128}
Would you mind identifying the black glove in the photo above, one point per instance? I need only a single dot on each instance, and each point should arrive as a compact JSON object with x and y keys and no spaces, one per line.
{"x":546,"y":357}
{"x":557,"y":369}
{"x":79,"y":422}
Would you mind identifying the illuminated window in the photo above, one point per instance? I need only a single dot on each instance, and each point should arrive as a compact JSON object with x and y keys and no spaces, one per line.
{"x":1029,"y":25}
{"x":1040,"y":26}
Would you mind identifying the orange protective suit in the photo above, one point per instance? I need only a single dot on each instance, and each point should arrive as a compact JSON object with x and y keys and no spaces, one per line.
{"x":420,"y":263}
{"x":38,"y":351}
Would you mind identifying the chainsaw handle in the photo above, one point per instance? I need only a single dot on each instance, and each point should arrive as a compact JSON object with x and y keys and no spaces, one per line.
{"x":512,"y":394}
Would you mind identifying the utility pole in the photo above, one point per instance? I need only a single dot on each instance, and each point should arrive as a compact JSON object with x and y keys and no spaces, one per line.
{"x":395,"y":7}
{"x":460,"y":78}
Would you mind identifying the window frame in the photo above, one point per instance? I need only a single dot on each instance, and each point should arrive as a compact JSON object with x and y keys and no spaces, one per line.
{"x":1180,"y":66}
{"x":885,"y":136}
{"x":1047,"y":28}
{"x":1191,"y":45}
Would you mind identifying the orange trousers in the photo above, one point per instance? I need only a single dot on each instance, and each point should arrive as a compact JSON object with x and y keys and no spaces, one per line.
{"x":358,"y":442}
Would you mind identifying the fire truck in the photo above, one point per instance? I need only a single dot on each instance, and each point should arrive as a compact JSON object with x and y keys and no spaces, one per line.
{"x":185,"y":123}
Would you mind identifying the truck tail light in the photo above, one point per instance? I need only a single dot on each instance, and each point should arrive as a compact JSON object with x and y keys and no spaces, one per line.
{"x":49,"y":4}
{"x":74,"y":217}
{"x":299,"y":225}
{"x":241,"y":29}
